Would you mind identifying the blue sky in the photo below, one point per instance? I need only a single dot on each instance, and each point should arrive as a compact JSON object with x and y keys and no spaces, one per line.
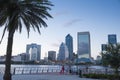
{"x":99,"y":17}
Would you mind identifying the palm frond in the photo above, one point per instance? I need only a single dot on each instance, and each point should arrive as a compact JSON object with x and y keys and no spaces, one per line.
{"x":3,"y":33}
{"x":32,"y":13}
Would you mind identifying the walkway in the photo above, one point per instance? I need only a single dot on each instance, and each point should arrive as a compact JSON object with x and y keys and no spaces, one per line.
{"x":47,"y":77}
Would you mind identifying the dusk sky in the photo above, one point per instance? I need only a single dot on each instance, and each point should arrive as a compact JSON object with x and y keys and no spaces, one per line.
{"x":99,"y":17}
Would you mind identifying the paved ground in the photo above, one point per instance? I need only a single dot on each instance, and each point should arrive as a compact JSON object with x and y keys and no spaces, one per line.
{"x":47,"y":77}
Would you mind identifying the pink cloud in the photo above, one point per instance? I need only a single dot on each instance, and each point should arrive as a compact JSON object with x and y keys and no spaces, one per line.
{"x":71,"y":22}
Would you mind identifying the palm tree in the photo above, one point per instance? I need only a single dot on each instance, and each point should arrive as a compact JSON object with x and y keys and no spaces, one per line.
{"x":15,"y":13}
{"x":111,"y":56}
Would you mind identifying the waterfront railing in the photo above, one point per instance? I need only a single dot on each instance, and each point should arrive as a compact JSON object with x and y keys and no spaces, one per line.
{"x":55,"y":69}
{"x":31,"y":70}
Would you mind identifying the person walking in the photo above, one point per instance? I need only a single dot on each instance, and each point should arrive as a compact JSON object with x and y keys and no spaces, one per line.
{"x":62,"y":69}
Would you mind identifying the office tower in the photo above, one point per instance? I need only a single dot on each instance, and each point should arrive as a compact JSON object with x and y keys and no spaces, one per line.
{"x":103,"y":47}
{"x":83,"y":45}
{"x":69,"y":44}
{"x":112,"y":39}
{"x":63,"y":52}
{"x":51,"y":55}
{"x":34,"y":52}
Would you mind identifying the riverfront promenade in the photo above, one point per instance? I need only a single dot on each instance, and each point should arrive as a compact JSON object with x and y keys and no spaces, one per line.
{"x":44,"y":73}
{"x":47,"y":77}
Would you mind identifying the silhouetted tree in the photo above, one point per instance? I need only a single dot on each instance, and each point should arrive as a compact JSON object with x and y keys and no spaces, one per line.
{"x":112,"y":56}
{"x":13,"y":13}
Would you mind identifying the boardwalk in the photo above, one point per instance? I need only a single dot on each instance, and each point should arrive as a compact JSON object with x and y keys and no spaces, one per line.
{"x":46,"y":77}
{"x":44,"y":73}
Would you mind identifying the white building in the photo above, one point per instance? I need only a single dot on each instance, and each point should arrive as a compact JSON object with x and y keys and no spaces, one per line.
{"x":34,"y":52}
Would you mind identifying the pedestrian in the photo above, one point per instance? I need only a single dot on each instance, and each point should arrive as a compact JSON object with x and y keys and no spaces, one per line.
{"x":62,"y":69}
{"x":70,"y":71}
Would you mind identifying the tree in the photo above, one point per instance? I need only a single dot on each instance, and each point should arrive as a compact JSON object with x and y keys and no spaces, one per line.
{"x":13,"y":13}
{"x":112,"y":56}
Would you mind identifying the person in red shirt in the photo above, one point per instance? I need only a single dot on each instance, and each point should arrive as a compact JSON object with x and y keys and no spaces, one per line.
{"x":62,"y":70}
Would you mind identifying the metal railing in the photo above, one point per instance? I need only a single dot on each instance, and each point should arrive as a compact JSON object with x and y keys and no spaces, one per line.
{"x":31,"y":70}
{"x":39,"y":70}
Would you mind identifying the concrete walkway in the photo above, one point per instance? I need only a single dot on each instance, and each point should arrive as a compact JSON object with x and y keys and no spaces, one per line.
{"x":47,"y":77}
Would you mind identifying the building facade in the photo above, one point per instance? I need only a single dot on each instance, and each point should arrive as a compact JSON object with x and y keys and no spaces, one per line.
{"x":69,"y":44}
{"x":52,"y":55}
{"x":112,"y":39}
{"x":83,"y":45}
{"x":23,"y":57}
{"x":63,"y":52}
{"x":34,"y":52}
{"x":103,"y":47}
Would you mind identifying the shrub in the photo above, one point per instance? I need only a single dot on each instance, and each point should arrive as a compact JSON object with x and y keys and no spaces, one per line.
{"x":102,"y":76}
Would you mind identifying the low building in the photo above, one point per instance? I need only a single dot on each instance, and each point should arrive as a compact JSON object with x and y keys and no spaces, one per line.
{"x":52,"y":55}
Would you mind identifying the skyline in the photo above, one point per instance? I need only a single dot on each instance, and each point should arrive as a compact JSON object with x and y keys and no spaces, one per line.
{"x":99,"y":17}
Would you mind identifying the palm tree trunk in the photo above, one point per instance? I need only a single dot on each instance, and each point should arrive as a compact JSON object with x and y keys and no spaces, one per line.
{"x":7,"y":74}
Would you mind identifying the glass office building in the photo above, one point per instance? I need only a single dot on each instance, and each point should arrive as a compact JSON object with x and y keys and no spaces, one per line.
{"x":103,"y":47}
{"x":84,"y":47}
{"x":112,"y":39}
{"x":69,"y":44}
{"x":63,"y":52}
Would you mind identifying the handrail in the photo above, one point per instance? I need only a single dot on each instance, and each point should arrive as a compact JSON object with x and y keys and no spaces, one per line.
{"x":31,"y":70}
{"x":54,"y":69}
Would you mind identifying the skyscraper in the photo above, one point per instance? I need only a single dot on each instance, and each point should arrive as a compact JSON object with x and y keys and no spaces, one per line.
{"x":69,"y":44}
{"x":103,"y":47}
{"x":34,"y":51}
{"x":112,"y":39}
{"x":84,"y":47}
{"x":63,"y":52}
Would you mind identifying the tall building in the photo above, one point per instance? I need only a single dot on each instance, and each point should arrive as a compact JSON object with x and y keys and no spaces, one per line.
{"x":51,"y":55}
{"x":63,"y":52}
{"x":103,"y":47}
{"x":112,"y":39}
{"x":83,"y":45}
{"x":34,"y":52}
{"x":69,"y":44}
